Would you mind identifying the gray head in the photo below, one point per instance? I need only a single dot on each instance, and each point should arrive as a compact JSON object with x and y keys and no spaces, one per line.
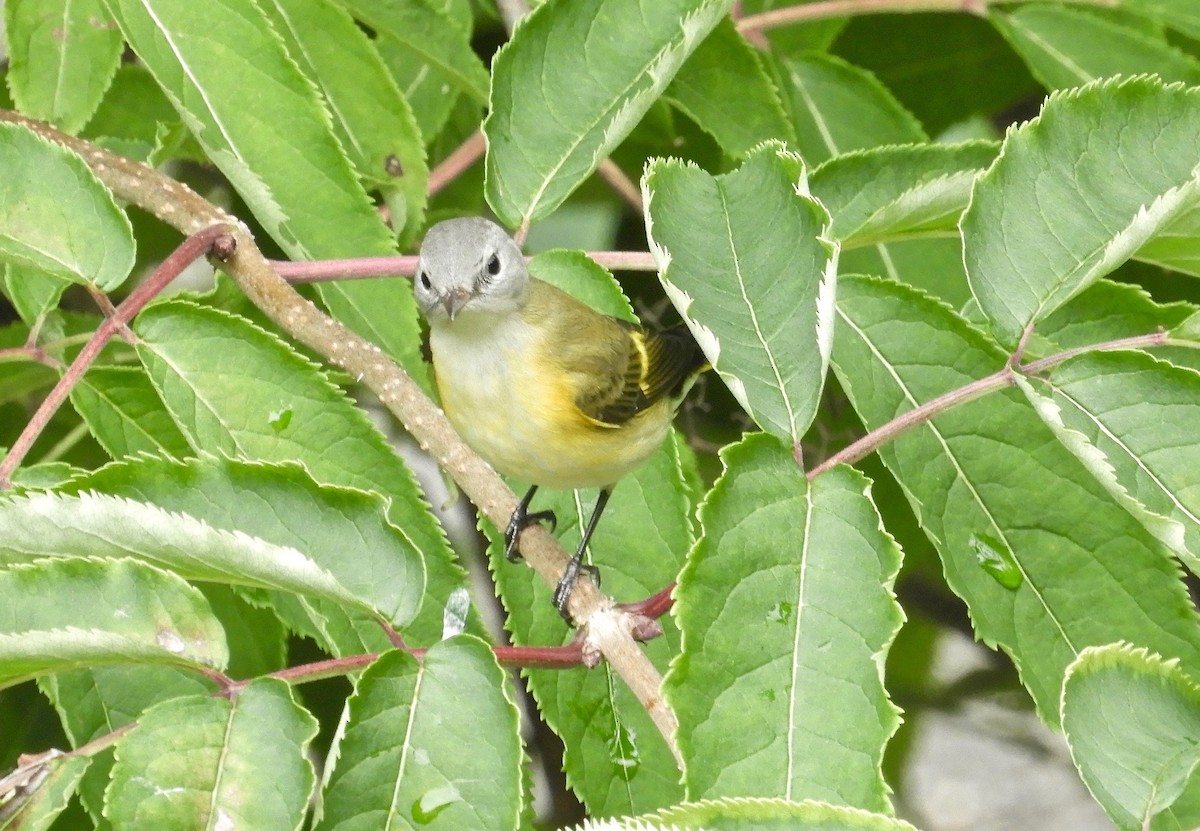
{"x":469,"y":265}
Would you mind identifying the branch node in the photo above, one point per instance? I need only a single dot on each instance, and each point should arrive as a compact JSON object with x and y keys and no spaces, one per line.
{"x":223,"y":247}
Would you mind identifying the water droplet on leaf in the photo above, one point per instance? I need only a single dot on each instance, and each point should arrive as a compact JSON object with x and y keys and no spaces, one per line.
{"x":781,"y":612}
{"x":996,"y":559}
{"x":433,"y":802}
{"x":623,"y":751}
{"x":454,"y":616}
{"x":280,"y":419}
{"x":170,"y":641}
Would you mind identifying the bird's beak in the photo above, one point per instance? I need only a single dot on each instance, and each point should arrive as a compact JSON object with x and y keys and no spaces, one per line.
{"x":454,"y":300}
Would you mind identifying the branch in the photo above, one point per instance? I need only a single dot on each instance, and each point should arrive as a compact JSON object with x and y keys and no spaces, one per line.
{"x":624,"y":187}
{"x":1005,"y":377}
{"x":362,"y":268}
{"x":512,"y":657}
{"x":848,"y":8}
{"x":465,"y":155}
{"x":608,"y":630}
{"x":191,"y":249}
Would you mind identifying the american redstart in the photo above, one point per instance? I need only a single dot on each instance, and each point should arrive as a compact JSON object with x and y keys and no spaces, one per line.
{"x":548,"y":390}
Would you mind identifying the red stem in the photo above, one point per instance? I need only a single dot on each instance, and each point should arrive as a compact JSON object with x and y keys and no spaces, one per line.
{"x":514,"y":657}
{"x":362,"y":268}
{"x":465,"y":155}
{"x":624,"y":187}
{"x":902,"y":423}
{"x":191,"y":249}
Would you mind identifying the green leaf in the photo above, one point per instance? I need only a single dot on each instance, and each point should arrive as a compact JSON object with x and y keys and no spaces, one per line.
{"x":33,"y":292}
{"x":125,"y":414}
{"x":370,"y":116}
{"x":1132,"y":721}
{"x":724,"y":88}
{"x":432,"y":37}
{"x":344,"y":531}
{"x":808,"y":36}
{"x":577,"y":274}
{"x":400,"y":760}
{"x":800,"y":710}
{"x":27,"y":655}
{"x":280,"y":153}
{"x":235,"y":389}
{"x":757,"y":815}
{"x":930,"y":264}
{"x":62,"y":614}
{"x":1090,"y":574}
{"x":37,"y":525}
{"x":1110,"y":311}
{"x":56,"y":217}
{"x":426,"y":47}
{"x":212,"y":762}
{"x":1106,"y":311}
{"x":1181,"y":16}
{"x":62,"y":54}
{"x":1125,"y":149}
{"x":258,"y":640}
{"x":20,"y":377}
{"x":133,"y":110}
{"x":1130,"y":419}
{"x":744,"y":259}
{"x":93,"y":702}
{"x":893,"y":192}
{"x":431,"y":99}
{"x":1067,"y":47}
{"x":944,"y":68}
{"x":546,"y":132}
{"x":615,"y":760}
{"x":837,"y":108}
{"x":47,"y":785}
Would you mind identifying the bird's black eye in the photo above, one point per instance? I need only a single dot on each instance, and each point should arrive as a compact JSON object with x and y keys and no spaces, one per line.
{"x":493,"y":266}
{"x":424,"y":278}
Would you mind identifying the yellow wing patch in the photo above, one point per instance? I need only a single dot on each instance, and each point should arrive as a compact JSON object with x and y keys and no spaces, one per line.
{"x":654,"y":366}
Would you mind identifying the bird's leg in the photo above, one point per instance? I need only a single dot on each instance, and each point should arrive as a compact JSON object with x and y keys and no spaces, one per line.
{"x":522,"y":519}
{"x":562,"y":592}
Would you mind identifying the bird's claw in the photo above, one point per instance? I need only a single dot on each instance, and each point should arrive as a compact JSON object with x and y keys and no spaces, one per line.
{"x":520,"y":520}
{"x":566,"y":584}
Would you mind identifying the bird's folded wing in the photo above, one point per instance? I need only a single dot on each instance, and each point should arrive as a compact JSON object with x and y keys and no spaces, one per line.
{"x":635,"y":370}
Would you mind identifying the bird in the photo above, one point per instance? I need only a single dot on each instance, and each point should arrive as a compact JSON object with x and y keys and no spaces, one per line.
{"x":543,"y":387}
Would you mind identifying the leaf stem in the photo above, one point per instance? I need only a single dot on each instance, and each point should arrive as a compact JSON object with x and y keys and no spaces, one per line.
{"x":904,"y":422}
{"x":1159,"y":338}
{"x":101,"y":742}
{"x":30,"y":352}
{"x":355,"y":268}
{"x":621,"y":184}
{"x":451,"y":167}
{"x":75,"y":435}
{"x":189,"y":250}
{"x":848,"y":8}
{"x":1005,"y":377}
{"x":513,"y":657}
{"x":624,"y":260}
{"x":405,"y":265}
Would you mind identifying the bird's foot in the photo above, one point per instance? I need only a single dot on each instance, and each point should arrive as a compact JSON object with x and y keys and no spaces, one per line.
{"x":566,"y":584}
{"x":520,"y":520}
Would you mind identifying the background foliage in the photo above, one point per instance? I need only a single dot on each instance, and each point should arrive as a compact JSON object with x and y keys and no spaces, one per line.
{"x":968,"y":233}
